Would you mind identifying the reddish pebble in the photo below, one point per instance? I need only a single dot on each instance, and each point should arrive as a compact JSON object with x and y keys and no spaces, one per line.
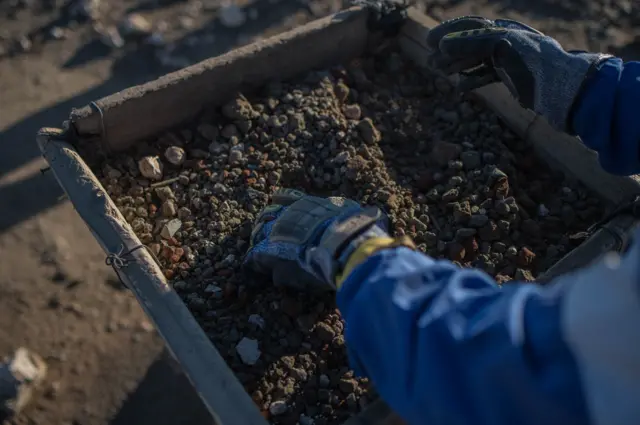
{"x":471,"y":248}
{"x":167,"y":252}
{"x":501,"y":187}
{"x":177,"y":254}
{"x":456,"y":251}
{"x":526,"y":257}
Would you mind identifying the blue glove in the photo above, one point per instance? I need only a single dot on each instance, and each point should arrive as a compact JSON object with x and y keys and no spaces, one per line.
{"x":535,"y":68}
{"x":304,"y":241}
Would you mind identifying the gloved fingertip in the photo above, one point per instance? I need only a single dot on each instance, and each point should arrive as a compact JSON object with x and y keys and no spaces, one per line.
{"x":516,"y":25}
{"x":462,"y":23}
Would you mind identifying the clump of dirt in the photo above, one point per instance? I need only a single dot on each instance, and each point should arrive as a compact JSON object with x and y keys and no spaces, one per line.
{"x":377,"y":130}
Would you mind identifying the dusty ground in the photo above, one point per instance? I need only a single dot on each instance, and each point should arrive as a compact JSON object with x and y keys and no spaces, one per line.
{"x":56,"y":295}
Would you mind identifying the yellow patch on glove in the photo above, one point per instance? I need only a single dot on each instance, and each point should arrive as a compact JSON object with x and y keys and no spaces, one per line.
{"x":367,"y":249}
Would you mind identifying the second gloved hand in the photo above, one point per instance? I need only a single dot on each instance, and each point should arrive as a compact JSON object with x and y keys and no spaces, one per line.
{"x":535,"y":68}
{"x":303,"y":241}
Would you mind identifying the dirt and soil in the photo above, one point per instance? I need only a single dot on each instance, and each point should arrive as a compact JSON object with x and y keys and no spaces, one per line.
{"x":57,"y":296}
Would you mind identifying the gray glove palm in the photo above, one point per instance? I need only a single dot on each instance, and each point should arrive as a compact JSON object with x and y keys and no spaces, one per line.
{"x":535,"y":68}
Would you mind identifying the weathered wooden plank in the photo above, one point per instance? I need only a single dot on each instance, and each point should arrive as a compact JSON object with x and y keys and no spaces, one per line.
{"x":144,"y":111}
{"x":216,"y":384}
{"x":558,"y":149}
{"x":611,"y":237}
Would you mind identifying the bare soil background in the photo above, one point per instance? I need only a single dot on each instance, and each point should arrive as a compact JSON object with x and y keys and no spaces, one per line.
{"x":106,"y":364}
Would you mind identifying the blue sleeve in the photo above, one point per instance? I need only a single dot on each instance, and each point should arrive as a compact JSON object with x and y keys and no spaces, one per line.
{"x":606,"y":116}
{"x":445,"y":345}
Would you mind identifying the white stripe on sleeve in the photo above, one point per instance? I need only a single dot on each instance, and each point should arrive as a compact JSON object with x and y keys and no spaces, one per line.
{"x":601,"y":324}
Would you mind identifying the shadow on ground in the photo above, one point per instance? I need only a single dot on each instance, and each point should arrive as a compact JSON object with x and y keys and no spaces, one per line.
{"x":36,"y":193}
{"x":163,"y":378}
{"x":164,"y":395}
{"x":133,"y":66}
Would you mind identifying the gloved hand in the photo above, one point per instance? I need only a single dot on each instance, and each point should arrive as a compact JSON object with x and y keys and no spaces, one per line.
{"x":534,"y":67}
{"x":304,"y":241}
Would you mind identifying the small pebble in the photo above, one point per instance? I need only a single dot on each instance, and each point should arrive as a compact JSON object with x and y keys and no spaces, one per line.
{"x":135,"y":24}
{"x":324,"y":381}
{"x":248,"y":351}
{"x":256,"y":320}
{"x":543,"y":211}
{"x":471,"y":160}
{"x":278,"y":408}
{"x":57,"y":33}
{"x":170,"y":228}
{"x":213,"y":289}
{"x":150,"y":167}
{"x":368,"y":131}
{"x":235,"y":157}
{"x":352,"y":112}
{"x":111,"y":37}
{"x":232,"y":16}
{"x":169,"y":209}
{"x":325,"y":332}
{"x":175,"y":155}
{"x":208,"y":131}
{"x":478,"y":220}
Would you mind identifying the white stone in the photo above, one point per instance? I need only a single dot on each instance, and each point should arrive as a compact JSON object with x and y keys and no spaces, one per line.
{"x":248,"y":351}
{"x":150,"y":167}
{"x":342,"y":157}
{"x":111,"y":37}
{"x":257,"y":320}
{"x":217,"y":148}
{"x":57,"y":33}
{"x":231,"y":16}
{"x":213,"y":289}
{"x":278,"y":407}
{"x":175,"y":155}
{"x":136,"y":24}
{"x":170,"y":228}
{"x":186,"y":22}
{"x":19,"y":374}
{"x":543,"y":211}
